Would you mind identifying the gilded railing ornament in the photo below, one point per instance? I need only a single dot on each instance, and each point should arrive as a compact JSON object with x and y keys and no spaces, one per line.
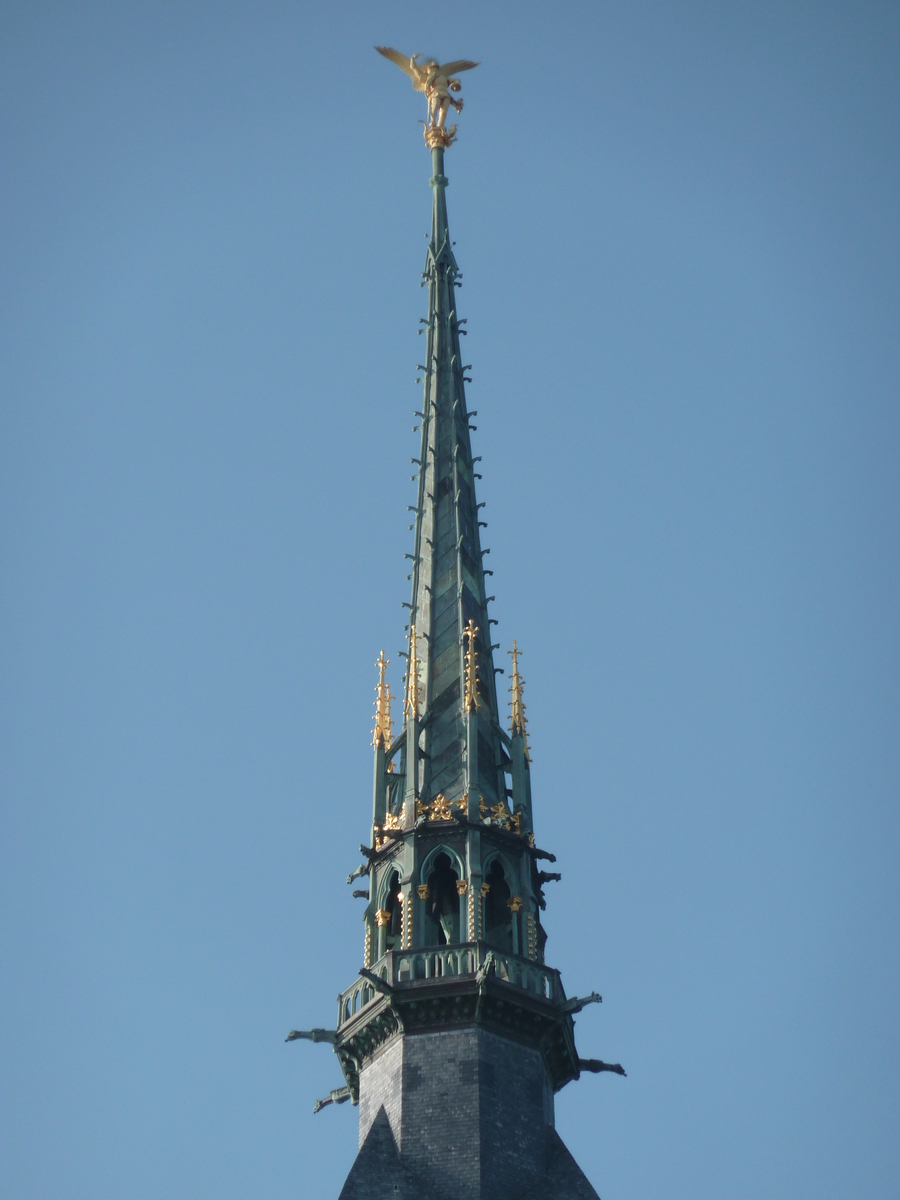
{"x":439,"y":84}
{"x":386,"y":832}
{"x":501,"y":815}
{"x":440,"y":808}
{"x":472,"y":699}
{"x":383,"y":733}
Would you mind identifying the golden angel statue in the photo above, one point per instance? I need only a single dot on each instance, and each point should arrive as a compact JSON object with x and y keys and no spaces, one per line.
{"x":437,"y":81}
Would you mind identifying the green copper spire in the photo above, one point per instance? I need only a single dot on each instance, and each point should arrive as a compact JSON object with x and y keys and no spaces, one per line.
{"x":448,"y":577}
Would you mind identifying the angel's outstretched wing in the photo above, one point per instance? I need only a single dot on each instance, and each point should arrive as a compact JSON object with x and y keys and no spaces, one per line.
{"x":402,"y":60}
{"x":451,"y":68}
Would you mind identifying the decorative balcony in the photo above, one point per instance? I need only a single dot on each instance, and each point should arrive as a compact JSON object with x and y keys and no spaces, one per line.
{"x":405,"y":971}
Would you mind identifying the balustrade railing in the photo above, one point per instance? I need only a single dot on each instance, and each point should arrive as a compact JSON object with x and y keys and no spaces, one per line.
{"x":407,"y":968}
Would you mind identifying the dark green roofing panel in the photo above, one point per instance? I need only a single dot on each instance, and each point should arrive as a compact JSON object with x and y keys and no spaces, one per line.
{"x":448,"y":587}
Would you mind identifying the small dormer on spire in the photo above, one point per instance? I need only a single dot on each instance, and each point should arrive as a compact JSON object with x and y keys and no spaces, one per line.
{"x":517,"y":723}
{"x":383,"y":733}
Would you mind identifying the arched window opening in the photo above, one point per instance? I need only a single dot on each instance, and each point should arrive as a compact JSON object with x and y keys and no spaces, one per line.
{"x":394,"y":909}
{"x":442,"y":903}
{"x":541,"y":942}
{"x":498,"y":918}
{"x":395,"y":787}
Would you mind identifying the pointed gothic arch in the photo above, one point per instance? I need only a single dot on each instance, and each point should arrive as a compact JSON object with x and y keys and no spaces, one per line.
{"x":501,"y":922}
{"x":440,"y":899}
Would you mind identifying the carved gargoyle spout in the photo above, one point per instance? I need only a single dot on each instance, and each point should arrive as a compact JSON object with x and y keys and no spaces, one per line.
{"x":335,"y":1096}
{"x":313,"y":1035}
{"x":595,"y":1065}
{"x":577,"y":1003}
{"x":377,"y":982}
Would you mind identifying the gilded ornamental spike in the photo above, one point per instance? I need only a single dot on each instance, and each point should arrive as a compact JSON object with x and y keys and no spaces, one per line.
{"x":517,"y":724}
{"x":411,"y":700}
{"x":437,"y":81}
{"x":383,"y":733}
{"x":472,"y":699}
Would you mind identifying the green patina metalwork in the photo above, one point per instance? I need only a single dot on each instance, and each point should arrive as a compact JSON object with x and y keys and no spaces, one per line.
{"x":453,"y":933}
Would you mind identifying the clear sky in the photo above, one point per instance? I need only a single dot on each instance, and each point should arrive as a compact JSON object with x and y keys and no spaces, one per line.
{"x":678,"y":226}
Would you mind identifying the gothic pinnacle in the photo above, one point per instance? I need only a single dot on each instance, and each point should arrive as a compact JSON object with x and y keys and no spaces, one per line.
{"x":383,"y":733}
{"x":517,"y":724}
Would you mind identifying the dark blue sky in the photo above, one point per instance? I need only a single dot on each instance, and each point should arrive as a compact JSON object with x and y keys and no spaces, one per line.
{"x":678,"y":229}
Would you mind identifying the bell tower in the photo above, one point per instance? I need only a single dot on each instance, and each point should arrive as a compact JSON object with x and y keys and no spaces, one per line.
{"x":456,"y":1034}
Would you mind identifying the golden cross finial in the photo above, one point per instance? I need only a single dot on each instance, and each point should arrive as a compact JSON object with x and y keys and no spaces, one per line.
{"x":517,"y":704}
{"x":383,"y":733}
{"x":472,"y":700}
{"x":411,"y":699}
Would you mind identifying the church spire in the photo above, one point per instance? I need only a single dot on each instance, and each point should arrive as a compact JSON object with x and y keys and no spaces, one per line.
{"x":449,"y":596}
{"x":455,"y":991}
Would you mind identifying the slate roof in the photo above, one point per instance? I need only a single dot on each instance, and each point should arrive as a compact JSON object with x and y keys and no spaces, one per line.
{"x":379,"y":1173}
